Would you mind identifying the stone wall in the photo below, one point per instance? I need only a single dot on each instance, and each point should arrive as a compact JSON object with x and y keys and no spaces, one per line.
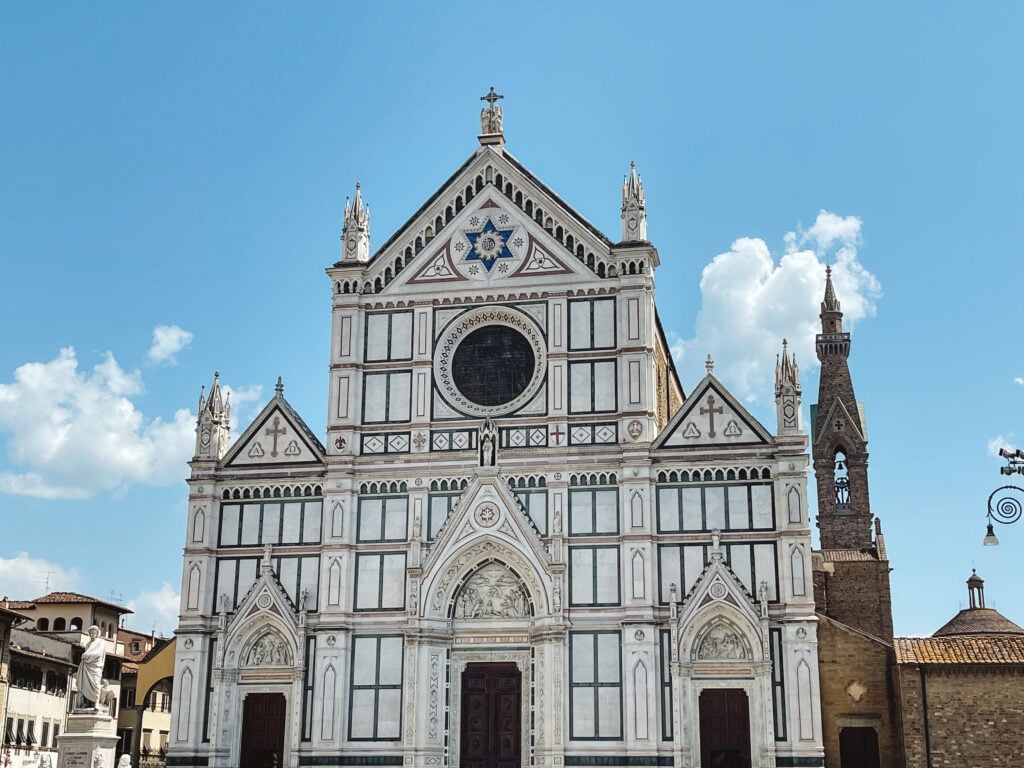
{"x":974,"y":716}
{"x":857,"y":690}
{"x":857,"y":593}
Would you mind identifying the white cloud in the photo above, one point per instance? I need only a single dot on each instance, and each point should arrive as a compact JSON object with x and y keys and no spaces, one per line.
{"x":25,"y":578}
{"x":245,"y":404}
{"x":997,"y":443}
{"x":1018,"y":380}
{"x":73,"y":434}
{"x":750,"y":301}
{"x":168,"y":340}
{"x":155,"y":610}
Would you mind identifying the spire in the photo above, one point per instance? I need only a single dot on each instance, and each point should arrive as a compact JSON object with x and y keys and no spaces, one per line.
{"x":787,"y":393}
{"x":831,"y":313}
{"x":355,"y":233}
{"x":279,"y":387}
{"x":634,"y":207}
{"x":213,"y":423}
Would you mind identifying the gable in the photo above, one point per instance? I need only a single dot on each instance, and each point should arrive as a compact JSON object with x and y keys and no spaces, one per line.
{"x":278,"y":436}
{"x":493,"y":223}
{"x":711,"y":416}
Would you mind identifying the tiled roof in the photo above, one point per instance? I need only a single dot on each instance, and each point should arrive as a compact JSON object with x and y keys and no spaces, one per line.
{"x":976,"y":649}
{"x":75,"y":597}
{"x":20,"y":605}
{"x":978,"y":621}
{"x":846,"y":555}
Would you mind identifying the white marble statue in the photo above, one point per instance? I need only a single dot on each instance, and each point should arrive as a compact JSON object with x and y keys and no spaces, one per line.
{"x":124,"y":761}
{"x":90,"y":669}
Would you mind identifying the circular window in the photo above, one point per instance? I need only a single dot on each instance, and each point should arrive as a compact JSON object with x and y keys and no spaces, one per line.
{"x":490,"y":361}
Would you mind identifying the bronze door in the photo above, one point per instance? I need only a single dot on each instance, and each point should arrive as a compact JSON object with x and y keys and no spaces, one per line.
{"x":724,"y":728}
{"x":858,"y":748}
{"x":491,"y":727}
{"x":263,"y":731}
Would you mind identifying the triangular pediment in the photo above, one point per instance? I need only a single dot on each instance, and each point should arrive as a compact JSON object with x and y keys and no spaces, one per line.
{"x":838,"y":421}
{"x":493,"y":224}
{"x":711,"y":417}
{"x":487,"y":508}
{"x":277,"y":436}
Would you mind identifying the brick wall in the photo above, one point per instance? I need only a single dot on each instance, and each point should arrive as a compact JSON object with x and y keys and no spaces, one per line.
{"x":857,"y":689}
{"x":858,"y":594}
{"x":974,"y":716}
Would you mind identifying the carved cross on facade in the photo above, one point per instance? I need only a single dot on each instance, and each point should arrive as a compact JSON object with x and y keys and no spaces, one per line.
{"x":710,"y":412}
{"x":274,"y":432}
{"x":557,"y":433}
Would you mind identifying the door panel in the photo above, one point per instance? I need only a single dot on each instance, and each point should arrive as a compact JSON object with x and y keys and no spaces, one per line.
{"x":491,"y":711}
{"x":724,"y":728}
{"x":263,"y":719}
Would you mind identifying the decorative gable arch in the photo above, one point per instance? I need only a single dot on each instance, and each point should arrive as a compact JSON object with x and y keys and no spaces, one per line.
{"x":442,"y":587}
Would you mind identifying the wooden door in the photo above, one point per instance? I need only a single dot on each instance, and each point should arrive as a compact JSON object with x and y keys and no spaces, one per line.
{"x":491,"y":707}
{"x":858,"y":748}
{"x":724,"y":728}
{"x":263,"y":718}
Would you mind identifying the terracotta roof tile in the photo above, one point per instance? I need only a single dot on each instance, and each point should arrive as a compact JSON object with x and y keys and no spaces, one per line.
{"x":846,"y":555}
{"x":974,"y":649}
{"x":75,"y":597}
{"x":978,"y":621}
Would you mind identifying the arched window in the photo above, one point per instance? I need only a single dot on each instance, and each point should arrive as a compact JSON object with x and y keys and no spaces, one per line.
{"x":842,"y":482}
{"x":43,"y":625}
{"x":59,"y":625}
{"x":76,"y":623}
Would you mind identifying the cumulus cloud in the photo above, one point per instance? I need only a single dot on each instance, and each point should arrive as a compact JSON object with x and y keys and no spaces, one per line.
{"x":155,"y":610}
{"x":750,"y":301}
{"x":1019,"y":380}
{"x":999,"y":442}
{"x":24,"y":578}
{"x":73,"y":433}
{"x":168,"y":340}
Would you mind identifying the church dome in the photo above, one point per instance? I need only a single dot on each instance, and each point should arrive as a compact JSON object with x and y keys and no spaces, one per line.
{"x":977,"y":619}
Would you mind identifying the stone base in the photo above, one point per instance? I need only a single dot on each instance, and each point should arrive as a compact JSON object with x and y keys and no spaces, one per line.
{"x":89,"y":741}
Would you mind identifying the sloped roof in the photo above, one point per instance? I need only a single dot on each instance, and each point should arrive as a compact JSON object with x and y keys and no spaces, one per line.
{"x":846,"y":555}
{"x":75,"y":597}
{"x":977,"y":649}
{"x":978,"y":621}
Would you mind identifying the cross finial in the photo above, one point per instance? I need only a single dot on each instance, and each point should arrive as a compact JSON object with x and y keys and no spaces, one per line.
{"x":491,"y":98}
{"x":279,"y":387}
{"x":709,"y":364}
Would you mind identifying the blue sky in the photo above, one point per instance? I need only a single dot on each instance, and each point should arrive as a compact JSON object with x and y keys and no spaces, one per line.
{"x":172,"y":178}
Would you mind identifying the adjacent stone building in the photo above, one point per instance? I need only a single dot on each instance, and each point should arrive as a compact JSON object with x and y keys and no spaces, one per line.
{"x":520,"y":542}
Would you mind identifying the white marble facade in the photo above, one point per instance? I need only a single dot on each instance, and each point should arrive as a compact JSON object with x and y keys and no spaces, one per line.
{"x":511,"y":476}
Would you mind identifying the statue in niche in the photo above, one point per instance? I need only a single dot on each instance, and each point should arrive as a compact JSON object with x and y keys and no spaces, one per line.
{"x":722,"y":643}
{"x":488,"y":433}
{"x":492,"y":592}
{"x":267,"y":651}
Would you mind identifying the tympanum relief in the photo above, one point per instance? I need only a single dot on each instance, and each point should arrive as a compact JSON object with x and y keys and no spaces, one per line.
{"x":492,"y":592}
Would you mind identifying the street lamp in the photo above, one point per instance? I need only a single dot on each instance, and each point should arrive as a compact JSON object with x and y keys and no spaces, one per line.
{"x":1008,"y":507}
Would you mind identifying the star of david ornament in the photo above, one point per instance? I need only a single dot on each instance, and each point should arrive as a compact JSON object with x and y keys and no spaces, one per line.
{"x":488,"y":245}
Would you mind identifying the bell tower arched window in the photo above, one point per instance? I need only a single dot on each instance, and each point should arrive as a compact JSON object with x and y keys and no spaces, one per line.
{"x":842,"y":482}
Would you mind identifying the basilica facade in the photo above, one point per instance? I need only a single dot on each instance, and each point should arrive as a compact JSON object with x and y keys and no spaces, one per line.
{"x":520,"y":541}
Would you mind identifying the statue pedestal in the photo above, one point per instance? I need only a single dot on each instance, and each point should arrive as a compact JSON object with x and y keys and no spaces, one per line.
{"x":89,"y":741}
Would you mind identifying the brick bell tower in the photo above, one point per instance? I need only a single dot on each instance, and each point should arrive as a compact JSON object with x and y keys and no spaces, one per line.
{"x":852,"y":584}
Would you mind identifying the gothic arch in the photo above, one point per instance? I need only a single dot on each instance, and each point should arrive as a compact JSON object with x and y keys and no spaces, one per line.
{"x":442,"y":584}
{"x":243,"y":639}
{"x":492,"y":590}
{"x":721,"y":638}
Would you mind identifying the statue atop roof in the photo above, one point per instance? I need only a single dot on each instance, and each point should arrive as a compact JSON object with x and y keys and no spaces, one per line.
{"x":491,"y":131}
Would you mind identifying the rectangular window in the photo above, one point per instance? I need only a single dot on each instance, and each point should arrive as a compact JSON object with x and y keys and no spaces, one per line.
{"x":380,"y":581}
{"x":208,"y":693}
{"x":592,"y":386}
{"x":682,"y":564}
{"x":439,"y":506}
{"x":382,"y":518}
{"x":726,"y":506}
{"x":592,"y":324}
{"x":594,"y":576}
{"x":31,"y":733}
{"x":255,"y":523}
{"x":387,"y":397}
{"x":666,"y":684}
{"x":778,"y":684}
{"x":593,"y":511}
{"x":307,"y":690}
{"x":536,"y":505}
{"x":44,"y":738}
{"x":595,"y":684}
{"x":375,"y":701}
{"x":388,"y":336}
{"x":127,"y":698}
{"x":235,"y":575}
